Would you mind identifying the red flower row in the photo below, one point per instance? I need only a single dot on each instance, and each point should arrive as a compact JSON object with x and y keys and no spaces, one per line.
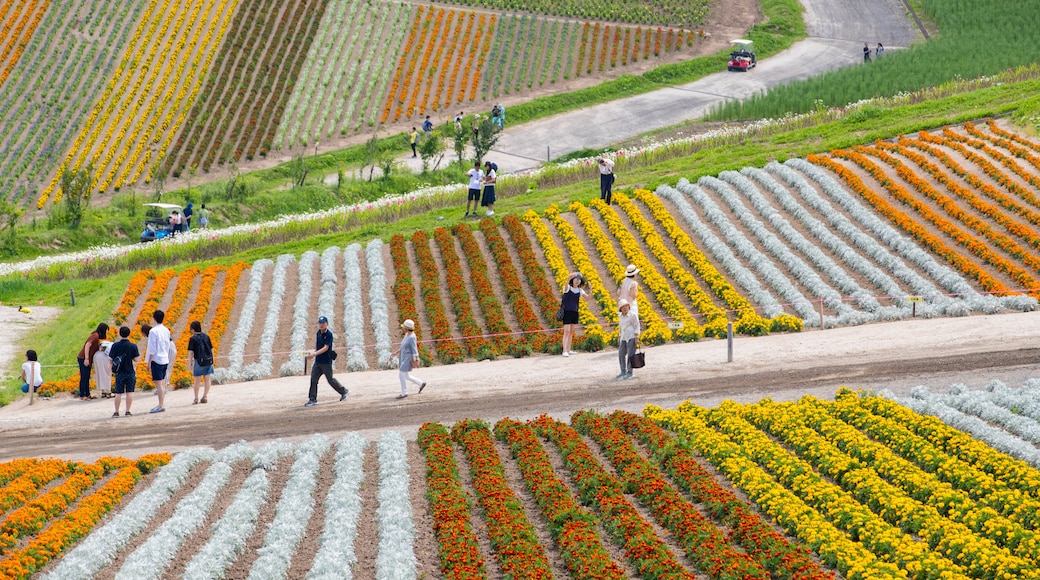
{"x":458,"y":547}
{"x":448,"y":351}
{"x":404,"y":290}
{"x":535,"y":275}
{"x":476,"y":345}
{"x":494,"y":319}
{"x":1020,"y":152}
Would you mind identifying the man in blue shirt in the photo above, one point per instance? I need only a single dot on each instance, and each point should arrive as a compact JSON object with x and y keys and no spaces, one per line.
{"x":322,"y":356}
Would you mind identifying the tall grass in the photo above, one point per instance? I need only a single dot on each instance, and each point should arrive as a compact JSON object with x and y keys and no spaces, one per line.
{"x":976,"y":38}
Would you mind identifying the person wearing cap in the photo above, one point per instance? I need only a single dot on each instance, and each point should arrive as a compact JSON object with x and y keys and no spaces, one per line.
{"x":322,"y":356}
{"x":572,"y":293}
{"x":488,"y":199}
{"x":606,"y":178}
{"x":628,"y":333}
{"x":409,"y":357}
{"x":629,"y":289}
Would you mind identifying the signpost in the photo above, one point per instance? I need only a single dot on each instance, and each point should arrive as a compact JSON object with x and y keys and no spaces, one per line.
{"x":676,"y":325}
{"x":913,"y":300}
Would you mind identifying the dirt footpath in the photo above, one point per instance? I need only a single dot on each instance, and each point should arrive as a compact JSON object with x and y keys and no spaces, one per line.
{"x":14,"y":325}
{"x":896,"y":355}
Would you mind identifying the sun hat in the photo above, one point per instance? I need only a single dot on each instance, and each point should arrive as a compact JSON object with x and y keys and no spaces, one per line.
{"x":323,"y":320}
{"x":631,"y":270}
{"x":621,"y":304}
{"x":408,"y":324}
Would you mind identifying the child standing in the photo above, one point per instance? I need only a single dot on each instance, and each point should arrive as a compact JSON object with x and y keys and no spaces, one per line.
{"x":409,"y":357}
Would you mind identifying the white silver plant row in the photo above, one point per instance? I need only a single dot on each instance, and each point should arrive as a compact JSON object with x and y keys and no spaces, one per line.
{"x":262,"y":367}
{"x":240,"y":338}
{"x":396,"y":557}
{"x":353,"y":310}
{"x":303,"y":321}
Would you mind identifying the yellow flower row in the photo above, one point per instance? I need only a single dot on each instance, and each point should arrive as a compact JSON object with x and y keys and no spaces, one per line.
{"x":981,"y":557}
{"x":554,"y":256}
{"x":833,"y":546}
{"x":652,"y":280}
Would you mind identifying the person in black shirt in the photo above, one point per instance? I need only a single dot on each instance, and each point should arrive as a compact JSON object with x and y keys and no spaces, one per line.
{"x":124,"y":355}
{"x":200,"y":354}
{"x":322,"y":356}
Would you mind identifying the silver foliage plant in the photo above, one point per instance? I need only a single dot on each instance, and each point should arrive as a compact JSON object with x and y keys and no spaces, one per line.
{"x":353,"y":310}
{"x":245,"y":325}
{"x":396,"y":557}
{"x":336,"y":557}
{"x":377,"y":302}
{"x":302,"y":322}
{"x":327,"y":294}
{"x":262,"y":368}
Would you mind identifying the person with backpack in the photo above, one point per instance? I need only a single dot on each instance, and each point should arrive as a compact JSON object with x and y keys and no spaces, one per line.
{"x":490,"y":177}
{"x":427,"y":126}
{"x":200,"y":360}
{"x":124,"y":357}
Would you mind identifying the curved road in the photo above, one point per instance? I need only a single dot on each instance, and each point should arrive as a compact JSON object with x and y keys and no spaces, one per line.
{"x":837,"y":30}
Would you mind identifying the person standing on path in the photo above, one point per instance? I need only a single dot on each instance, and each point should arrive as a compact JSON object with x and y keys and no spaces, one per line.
{"x":203,"y":216}
{"x":476,"y":182}
{"x":413,"y":140}
{"x":408,"y":354}
{"x":188,"y":212}
{"x":879,"y":51}
{"x":458,"y":121}
{"x":31,"y":372}
{"x":200,"y":360}
{"x":490,"y":177}
{"x":629,"y":289}
{"x":572,"y":292}
{"x":103,"y":370}
{"x":158,"y":357}
{"x":606,"y":178}
{"x":628,"y":333}
{"x":124,"y":360}
{"x":866,"y":52}
{"x":322,"y":355}
{"x":86,"y":359}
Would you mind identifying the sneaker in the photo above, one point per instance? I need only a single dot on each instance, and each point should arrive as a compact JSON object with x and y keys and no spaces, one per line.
{"x":157,"y":410}
{"x":343,"y":397}
{"x":421,"y":387}
{"x":127,"y":414}
{"x":467,"y":215}
{"x":620,"y":375}
{"x":565,"y":353}
{"x":628,"y":375}
{"x":116,"y":414}
{"x":572,"y":352}
{"x":310,"y":403}
{"x":402,"y":396}
{"x":490,"y":213}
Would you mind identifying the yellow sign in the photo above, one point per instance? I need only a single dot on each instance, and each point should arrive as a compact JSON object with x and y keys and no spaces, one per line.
{"x":914,"y":299}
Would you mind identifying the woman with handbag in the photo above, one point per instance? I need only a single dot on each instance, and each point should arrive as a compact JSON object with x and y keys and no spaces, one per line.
{"x":628,"y":334}
{"x":572,"y":293}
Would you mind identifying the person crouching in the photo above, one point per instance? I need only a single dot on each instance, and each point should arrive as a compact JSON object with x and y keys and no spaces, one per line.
{"x":628,"y":333}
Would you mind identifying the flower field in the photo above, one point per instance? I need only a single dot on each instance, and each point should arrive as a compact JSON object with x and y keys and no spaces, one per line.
{"x":856,"y":487}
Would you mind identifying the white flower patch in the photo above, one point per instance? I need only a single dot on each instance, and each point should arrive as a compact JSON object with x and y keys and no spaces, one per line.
{"x":245,"y":325}
{"x":292,"y":512}
{"x":327,"y":296}
{"x":236,"y":526}
{"x":923,"y":401}
{"x":336,"y":558}
{"x":263,"y":366}
{"x":978,"y":403}
{"x":153,"y":556}
{"x":396,"y":559}
{"x":102,"y":545}
{"x":735,"y":239}
{"x":377,"y":302}
{"x":301,"y":315}
{"x":353,"y":310}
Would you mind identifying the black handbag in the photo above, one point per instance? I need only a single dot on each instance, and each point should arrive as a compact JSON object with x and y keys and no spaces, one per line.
{"x":559,"y":315}
{"x":333,"y":355}
{"x":637,"y":360}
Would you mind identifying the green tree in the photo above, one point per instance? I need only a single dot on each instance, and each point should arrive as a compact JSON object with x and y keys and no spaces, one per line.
{"x":431,"y":150}
{"x":484,"y":137}
{"x":9,"y":214}
{"x":77,"y":186}
{"x":460,"y":137}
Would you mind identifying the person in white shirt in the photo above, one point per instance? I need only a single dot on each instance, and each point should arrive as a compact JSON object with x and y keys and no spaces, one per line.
{"x":628,"y":333}
{"x":476,"y":177}
{"x":630,"y":288}
{"x":31,"y":372}
{"x":158,"y":356}
{"x":606,"y":178}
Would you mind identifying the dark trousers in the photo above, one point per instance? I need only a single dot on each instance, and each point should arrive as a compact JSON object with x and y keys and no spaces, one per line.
{"x":84,"y":378}
{"x":413,"y":149}
{"x":606,"y":186}
{"x":316,"y":372}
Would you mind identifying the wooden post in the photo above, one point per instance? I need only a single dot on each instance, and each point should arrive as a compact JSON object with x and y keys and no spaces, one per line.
{"x":729,"y":341}
{"x":821,"y":313}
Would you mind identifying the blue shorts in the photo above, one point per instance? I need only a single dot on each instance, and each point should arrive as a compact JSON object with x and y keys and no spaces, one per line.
{"x":201,"y":371}
{"x":125,"y":383}
{"x":158,"y":371}
{"x":25,"y":388}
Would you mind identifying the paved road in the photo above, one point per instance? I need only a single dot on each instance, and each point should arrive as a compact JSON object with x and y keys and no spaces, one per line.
{"x":837,"y":30}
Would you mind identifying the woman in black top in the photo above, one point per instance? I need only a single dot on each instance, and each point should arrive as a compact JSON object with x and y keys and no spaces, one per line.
{"x":572,"y":293}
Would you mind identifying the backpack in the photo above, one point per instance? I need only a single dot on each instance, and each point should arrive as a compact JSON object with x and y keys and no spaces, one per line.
{"x":204,"y":351}
{"x":117,"y":363}
{"x":494,"y":167}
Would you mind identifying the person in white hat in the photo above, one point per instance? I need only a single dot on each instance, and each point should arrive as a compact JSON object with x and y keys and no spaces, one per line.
{"x":409,"y":357}
{"x":628,"y":333}
{"x":630,"y":288}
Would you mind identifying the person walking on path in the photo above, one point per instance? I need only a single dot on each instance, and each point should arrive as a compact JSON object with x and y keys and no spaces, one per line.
{"x":409,"y":357}
{"x":606,"y":178}
{"x":158,"y":357}
{"x":458,"y":121}
{"x":103,"y":370}
{"x":628,"y":333}
{"x":427,"y":126}
{"x":476,"y":182}
{"x":31,"y":372}
{"x":629,"y":289}
{"x":322,"y":356}
{"x":86,"y":359}
{"x":879,"y":51}
{"x":572,"y":292}
{"x":188,"y":212}
{"x":124,"y":356}
{"x":200,"y":360}
{"x":866,"y":52}
{"x":490,"y":177}
{"x":413,"y":140}
{"x":203,"y":216}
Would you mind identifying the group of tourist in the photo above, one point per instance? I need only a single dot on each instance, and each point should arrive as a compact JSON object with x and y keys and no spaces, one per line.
{"x":628,"y":316}
{"x":482,"y":188}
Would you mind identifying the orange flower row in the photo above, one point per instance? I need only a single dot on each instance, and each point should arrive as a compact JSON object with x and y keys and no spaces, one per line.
{"x":1006,"y":161}
{"x":433,"y":33}
{"x":18,"y":38}
{"x":133,"y":289}
{"x":910,"y":226}
{"x":36,"y":513}
{"x":449,"y":88}
{"x":992,"y":125}
{"x":185,"y":282}
{"x":395,"y":84}
{"x":447,"y":56}
{"x":481,"y":57}
{"x":28,"y":484}
{"x":222,"y":315}
{"x":182,"y":376}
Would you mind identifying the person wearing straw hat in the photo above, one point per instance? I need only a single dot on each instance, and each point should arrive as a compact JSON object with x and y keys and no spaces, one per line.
{"x":409,"y":357}
{"x":628,"y":333}
{"x":572,"y":293}
{"x":630,"y":289}
{"x":322,"y":355}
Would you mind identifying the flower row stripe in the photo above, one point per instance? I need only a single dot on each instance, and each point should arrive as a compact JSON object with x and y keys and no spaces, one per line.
{"x":834,"y":547}
{"x":25,"y":486}
{"x":1001,"y":133}
{"x":377,"y":303}
{"x":228,"y":296}
{"x":476,"y":345}
{"x":395,"y":522}
{"x":134,"y":288}
{"x":404,"y":288}
{"x":301,"y":320}
{"x":36,"y":513}
{"x":246,"y":318}
{"x":705,"y":544}
{"x":180,"y":377}
{"x":353,"y":310}
{"x":336,"y":556}
{"x":981,"y":557}
{"x":18,"y":36}
{"x":490,"y":307}
{"x":263,"y":366}
{"x":572,"y":527}
{"x":652,"y":280}
{"x":448,"y":351}
{"x":199,"y":309}
{"x":9,"y":470}
{"x":911,"y":226}
{"x":457,"y":544}
{"x":647,"y":554}
{"x":519,"y":552}
{"x":1003,"y":140}
{"x":768,"y":547}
